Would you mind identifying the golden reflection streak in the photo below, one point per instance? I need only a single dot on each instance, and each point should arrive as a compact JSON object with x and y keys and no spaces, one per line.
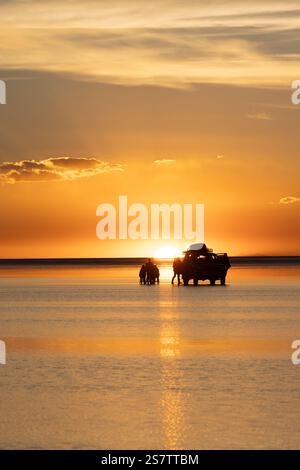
{"x":167,"y":347}
{"x":172,"y":400}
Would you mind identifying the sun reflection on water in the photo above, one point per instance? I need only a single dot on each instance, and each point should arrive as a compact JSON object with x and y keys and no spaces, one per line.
{"x":172,"y":400}
{"x":166,"y":272}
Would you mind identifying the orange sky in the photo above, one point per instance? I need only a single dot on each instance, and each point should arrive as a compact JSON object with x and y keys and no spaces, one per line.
{"x":191,"y":106}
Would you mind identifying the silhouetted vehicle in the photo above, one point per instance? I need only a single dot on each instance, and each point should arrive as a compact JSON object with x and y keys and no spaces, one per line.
{"x":201,"y":264}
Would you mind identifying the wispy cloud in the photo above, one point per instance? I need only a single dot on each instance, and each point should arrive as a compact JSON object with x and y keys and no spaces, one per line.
{"x":164,"y":161}
{"x":131,"y":41}
{"x":54,"y":169}
{"x":289,"y":200}
{"x":260,"y":116}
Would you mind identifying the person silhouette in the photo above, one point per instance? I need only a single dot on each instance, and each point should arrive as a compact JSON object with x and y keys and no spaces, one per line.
{"x":156,"y":274}
{"x":142,"y":274}
{"x":149,"y":272}
{"x":177,"y":265}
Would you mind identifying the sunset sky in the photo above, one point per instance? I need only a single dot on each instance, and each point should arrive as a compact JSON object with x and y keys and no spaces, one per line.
{"x":163,"y":101}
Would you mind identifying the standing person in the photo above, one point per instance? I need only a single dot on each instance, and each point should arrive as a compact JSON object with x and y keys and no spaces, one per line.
{"x":156,"y":274}
{"x":177,"y":265}
{"x":149,"y":271}
{"x":142,"y":274}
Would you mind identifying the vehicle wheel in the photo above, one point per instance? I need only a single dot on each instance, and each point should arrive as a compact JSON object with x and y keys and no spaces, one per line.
{"x":185,"y":281}
{"x":195,"y":281}
{"x":223,"y":281}
{"x":212,"y":282}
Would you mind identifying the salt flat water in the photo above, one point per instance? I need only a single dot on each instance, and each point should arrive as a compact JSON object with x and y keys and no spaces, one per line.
{"x":97,"y":361}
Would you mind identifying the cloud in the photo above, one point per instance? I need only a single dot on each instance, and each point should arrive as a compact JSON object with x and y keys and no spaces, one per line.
{"x":179,"y":43}
{"x":219,"y":157}
{"x":54,"y":169}
{"x":164,"y":161}
{"x":289,"y":200}
{"x":262,"y":116}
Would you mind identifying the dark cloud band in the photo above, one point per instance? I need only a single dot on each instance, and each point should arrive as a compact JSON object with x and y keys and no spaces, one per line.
{"x":54,"y":169}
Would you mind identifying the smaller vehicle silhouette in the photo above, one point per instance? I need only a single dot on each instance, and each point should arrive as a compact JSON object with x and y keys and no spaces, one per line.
{"x":201,"y":264}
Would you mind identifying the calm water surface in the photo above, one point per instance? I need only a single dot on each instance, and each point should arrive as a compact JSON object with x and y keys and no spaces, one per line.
{"x":95,"y":360}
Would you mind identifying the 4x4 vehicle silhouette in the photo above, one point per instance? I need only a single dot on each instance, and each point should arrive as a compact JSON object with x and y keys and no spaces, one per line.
{"x":200,"y":264}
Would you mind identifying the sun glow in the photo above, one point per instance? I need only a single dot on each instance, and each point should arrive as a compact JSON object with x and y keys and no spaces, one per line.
{"x":167,"y":252}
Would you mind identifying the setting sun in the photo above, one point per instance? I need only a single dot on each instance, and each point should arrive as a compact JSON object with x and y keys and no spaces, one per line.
{"x":166,"y":252}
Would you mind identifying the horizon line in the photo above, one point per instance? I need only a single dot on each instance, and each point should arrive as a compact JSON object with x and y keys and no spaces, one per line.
{"x":136,"y":259}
